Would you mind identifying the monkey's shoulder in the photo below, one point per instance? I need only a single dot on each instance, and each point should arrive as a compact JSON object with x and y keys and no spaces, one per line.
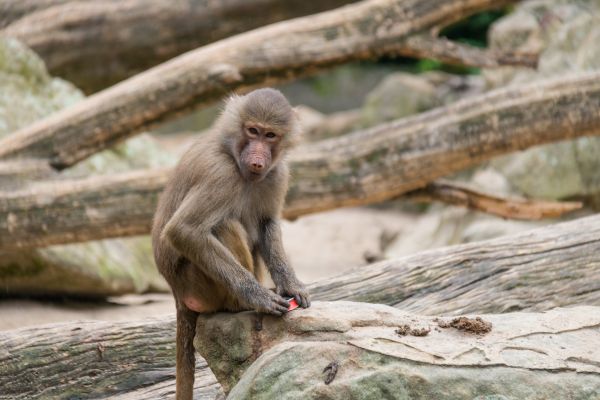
{"x":205,"y":162}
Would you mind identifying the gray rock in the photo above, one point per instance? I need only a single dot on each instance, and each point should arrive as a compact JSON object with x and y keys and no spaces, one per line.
{"x":402,"y":94}
{"x":99,"y":268}
{"x":552,"y":355}
{"x":398,"y":95}
{"x":567,"y":34}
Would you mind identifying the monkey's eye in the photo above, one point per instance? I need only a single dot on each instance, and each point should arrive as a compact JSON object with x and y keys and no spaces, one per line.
{"x":270,"y":135}
{"x":253,"y":131}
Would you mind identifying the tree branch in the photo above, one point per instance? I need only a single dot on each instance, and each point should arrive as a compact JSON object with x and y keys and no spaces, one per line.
{"x":439,"y":48}
{"x":95,"y":44}
{"x":276,"y":53}
{"x":356,"y":169}
{"x":507,"y":207}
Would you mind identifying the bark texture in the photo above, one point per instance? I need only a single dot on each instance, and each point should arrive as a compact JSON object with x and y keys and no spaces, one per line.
{"x":360,"y":168}
{"x":269,"y":55}
{"x":96,"y":44}
{"x":86,"y":360}
{"x":553,"y":266}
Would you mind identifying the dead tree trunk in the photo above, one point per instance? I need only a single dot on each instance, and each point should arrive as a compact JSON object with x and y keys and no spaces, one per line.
{"x":276,"y":53}
{"x":360,"y":168}
{"x":85,"y":360}
{"x":96,"y":44}
{"x":555,"y":266}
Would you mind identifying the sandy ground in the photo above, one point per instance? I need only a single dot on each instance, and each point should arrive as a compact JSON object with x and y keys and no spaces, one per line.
{"x":319,"y":246}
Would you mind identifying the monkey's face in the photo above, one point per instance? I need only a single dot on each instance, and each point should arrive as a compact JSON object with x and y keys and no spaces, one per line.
{"x":260,"y":128}
{"x":258,"y":148}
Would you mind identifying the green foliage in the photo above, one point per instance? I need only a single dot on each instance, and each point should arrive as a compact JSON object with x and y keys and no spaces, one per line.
{"x":473,"y":30}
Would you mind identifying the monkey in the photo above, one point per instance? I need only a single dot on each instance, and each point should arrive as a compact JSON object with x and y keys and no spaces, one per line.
{"x":216,"y":229}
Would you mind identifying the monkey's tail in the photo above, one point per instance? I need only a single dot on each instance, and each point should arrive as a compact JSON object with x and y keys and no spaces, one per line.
{"x":186,"y":358}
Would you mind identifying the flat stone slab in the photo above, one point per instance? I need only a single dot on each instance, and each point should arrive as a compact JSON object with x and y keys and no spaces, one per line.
{"x":342,"y":350}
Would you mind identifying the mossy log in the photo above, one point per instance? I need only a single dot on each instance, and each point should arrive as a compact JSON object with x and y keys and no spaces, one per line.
{"x":549,"y":267}
{"x":356,"y":169}
{"x":276,"y":53}
{"x":95,"y":44}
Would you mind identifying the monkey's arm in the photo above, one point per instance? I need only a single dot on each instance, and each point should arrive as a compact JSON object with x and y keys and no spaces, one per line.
{"x":190,"y":231}
{"x":283,"y":275}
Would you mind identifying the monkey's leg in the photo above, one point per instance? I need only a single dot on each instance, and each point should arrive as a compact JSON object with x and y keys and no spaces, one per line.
{"x":186,"y":356}
{"x":191,"y":232}
{"x":200,"y":292}
{"x":233,"y":236}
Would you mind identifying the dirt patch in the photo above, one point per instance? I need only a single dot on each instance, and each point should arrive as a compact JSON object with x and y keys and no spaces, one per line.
{"x":475,"y":325}
{"x":407,"y":330}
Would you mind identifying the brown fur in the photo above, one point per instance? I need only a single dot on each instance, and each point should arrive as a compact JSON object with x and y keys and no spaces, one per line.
{"x":216,"y":227}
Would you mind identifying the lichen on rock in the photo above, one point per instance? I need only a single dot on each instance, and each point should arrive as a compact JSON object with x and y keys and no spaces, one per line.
{"x":95,"y":269}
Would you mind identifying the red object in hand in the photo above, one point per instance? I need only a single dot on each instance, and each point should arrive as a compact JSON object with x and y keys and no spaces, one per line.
{"x":293,"y":304}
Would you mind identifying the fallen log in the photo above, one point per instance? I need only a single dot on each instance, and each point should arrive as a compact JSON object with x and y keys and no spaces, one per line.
{"x":97,"y":44}
{"x":19,"y":173}
{"x":344,"y":350}
{"x":555,"y":266}
{"x":275,"y":53}
{"x":95,"y":359}
{"x":356,"y":169}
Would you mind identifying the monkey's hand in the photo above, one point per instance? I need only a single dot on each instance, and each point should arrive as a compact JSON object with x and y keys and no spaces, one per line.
{"x":292,"y":287}
{"x":265,"y":301}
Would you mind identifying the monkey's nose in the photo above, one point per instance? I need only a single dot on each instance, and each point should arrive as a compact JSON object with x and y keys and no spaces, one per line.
{"x":257,"y":166}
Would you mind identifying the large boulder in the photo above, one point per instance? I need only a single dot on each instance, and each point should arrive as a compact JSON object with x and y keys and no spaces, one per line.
{"x":345,"y":350}
{"x":566,"y":33}
{"x":99,"y":268}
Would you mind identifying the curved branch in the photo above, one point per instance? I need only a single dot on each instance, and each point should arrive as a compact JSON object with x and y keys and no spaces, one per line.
{"x":442,"y":49}
{"x":95,"y":44}
{"x":506,"y":207}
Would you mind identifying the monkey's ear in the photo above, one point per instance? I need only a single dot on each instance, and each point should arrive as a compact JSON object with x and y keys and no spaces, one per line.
{"x":232,"y":107}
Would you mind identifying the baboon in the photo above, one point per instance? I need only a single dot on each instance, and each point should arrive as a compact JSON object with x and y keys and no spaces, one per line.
{"x":216,"y":227}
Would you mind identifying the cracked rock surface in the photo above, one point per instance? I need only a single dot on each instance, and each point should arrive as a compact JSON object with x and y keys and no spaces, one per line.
{"x":355,"y":348}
